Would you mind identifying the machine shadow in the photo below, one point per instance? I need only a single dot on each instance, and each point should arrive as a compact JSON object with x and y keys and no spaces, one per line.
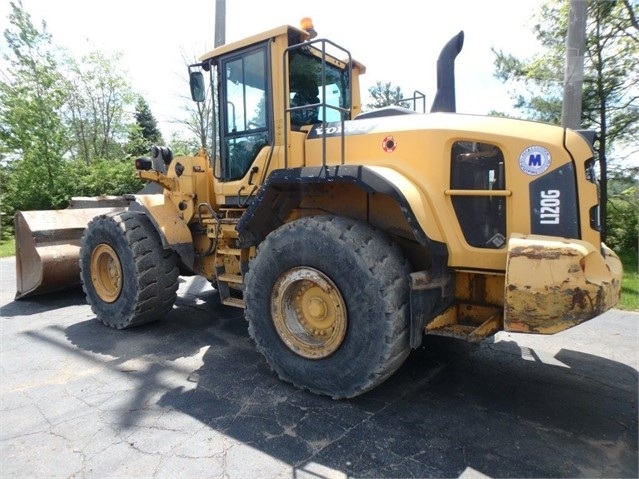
{"x":45,"y":302}
{"x":438,"y":416}
{"x":450,"y":408}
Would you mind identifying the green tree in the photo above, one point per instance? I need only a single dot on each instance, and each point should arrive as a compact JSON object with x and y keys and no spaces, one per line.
{"x":99,"y":110}
{"x":197,"y":120}
{"x":145,"y":132}
{"x":32,"y":134}
{"x":62,"y":123}
{"x":623,"y":221}
{"x":103,"y":177}
{"x":184,"y":144}
{"x":384,"y":94}
{"x":6,"y":207}
{"x":147,"y":123}
{"x":611,"y":77}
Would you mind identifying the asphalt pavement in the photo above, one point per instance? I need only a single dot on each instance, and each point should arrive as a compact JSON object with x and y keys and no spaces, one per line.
{"x":190,"y":397}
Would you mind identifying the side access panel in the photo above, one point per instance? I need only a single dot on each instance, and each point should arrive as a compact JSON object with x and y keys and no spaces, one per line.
{"x":555,"y":283}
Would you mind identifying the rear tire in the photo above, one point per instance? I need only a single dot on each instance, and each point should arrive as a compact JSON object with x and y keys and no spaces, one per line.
{"x":327,"y":301}
{"x":127,"y":276}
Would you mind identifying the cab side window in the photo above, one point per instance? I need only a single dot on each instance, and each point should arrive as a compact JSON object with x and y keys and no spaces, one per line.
{"x":245,"y":128}
{"x":477,"y":179}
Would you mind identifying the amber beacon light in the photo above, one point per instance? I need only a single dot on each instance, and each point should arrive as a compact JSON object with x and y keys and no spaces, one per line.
{"x":306,"y":24}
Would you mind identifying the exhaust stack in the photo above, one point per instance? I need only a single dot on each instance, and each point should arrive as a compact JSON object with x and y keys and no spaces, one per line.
{"x":445,"y":97}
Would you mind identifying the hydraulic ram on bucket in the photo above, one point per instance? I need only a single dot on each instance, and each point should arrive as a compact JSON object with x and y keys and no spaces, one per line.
{"x":48,"y":244}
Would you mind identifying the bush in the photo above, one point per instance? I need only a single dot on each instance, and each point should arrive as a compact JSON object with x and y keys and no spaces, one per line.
{"x":23,"y":187}
{"x":6,"y":210}
{"x":102,"y":177}
{"x":622,"y":222}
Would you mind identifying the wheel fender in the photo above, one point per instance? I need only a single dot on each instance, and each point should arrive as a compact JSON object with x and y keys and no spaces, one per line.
{"x":283,"y":189}
{"x":415,"y":203}
{"x":168,"y":222}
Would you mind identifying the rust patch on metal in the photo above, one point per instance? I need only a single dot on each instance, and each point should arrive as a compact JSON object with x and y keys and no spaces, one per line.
{"x":579,"y":297}
{"x":540,"y":252}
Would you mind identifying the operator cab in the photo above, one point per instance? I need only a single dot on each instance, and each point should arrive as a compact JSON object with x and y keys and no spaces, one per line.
{"x":265,"y":91}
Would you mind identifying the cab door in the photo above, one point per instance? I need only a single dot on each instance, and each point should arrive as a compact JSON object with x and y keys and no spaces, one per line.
{"x":245,"y":111}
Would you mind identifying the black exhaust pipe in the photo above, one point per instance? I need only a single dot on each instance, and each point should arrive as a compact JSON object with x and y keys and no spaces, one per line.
{"x":445,"y":96}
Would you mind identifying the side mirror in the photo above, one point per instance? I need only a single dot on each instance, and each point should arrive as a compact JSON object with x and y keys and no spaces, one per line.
{"x":196,"y":81}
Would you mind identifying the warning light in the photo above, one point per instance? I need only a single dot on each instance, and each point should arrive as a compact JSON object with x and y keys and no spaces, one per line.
{"x":306,"y":24}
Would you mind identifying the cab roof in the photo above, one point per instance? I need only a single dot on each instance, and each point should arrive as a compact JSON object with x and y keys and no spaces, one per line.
{"x":295,"y":35}
{"x":245,"y":42}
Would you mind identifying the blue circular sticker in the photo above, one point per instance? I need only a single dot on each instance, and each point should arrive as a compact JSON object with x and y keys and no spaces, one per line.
{"x":534,"y":160}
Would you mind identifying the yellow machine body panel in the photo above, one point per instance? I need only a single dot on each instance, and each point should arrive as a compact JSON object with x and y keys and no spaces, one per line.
{"x":420,"y":149}
{"x":174,"y":230}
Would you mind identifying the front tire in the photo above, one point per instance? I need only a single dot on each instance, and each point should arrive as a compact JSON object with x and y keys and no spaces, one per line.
{"x":127,"y":276}
{"x":327,"y":301}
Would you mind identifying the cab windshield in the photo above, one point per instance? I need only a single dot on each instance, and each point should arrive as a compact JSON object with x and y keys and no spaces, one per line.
{"x":318,"y":89}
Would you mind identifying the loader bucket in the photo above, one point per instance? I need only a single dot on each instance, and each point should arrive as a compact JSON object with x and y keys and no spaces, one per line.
{"x":48,"y":244}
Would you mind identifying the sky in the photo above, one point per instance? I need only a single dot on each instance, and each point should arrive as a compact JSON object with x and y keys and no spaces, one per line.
{"x":398,"y":41}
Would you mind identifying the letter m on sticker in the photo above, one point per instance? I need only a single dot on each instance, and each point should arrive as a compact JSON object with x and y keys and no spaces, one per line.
{"x":534,"y":159}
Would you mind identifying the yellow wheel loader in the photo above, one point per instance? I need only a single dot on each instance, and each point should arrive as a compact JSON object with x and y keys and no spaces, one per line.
{"x":348,"y":235}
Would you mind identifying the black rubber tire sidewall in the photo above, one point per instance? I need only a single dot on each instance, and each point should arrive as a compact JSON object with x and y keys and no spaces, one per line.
{"x":372,"y":276}
{"x":149,"y":273}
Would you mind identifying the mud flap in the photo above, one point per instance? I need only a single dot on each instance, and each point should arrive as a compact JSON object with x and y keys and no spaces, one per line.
{"x":555,"y":283}
{"x":429,"y":296}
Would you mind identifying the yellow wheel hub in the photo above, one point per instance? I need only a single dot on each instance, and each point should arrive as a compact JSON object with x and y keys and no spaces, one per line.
{"x":106,"y":273}
{"x":308,"y":312}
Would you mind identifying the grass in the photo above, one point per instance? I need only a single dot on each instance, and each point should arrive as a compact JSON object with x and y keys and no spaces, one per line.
{"x":7,"y":248}
{"x":629,"y":284}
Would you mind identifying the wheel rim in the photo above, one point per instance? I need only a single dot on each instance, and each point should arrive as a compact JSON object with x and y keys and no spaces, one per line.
{"x":309,"y":312}
{"x":106,"y":273}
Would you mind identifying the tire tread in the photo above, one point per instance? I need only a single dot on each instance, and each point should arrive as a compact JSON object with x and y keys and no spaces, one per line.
{"x":156,"y":270}
{"x":385,"y":264}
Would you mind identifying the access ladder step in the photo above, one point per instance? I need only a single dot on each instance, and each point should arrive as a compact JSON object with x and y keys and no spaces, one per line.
{"x":469,"y":322}
{"x":227,"y":251}
{"x":459,"y":331}
{"x":230,"y":278}
{"x":230,"y":301}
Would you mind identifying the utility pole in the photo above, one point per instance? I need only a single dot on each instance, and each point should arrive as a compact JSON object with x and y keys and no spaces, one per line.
{"x":220,"y":23}
{"x":218,"y":40}
{"x":574,"y":72}
{"x":573,"y":94}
